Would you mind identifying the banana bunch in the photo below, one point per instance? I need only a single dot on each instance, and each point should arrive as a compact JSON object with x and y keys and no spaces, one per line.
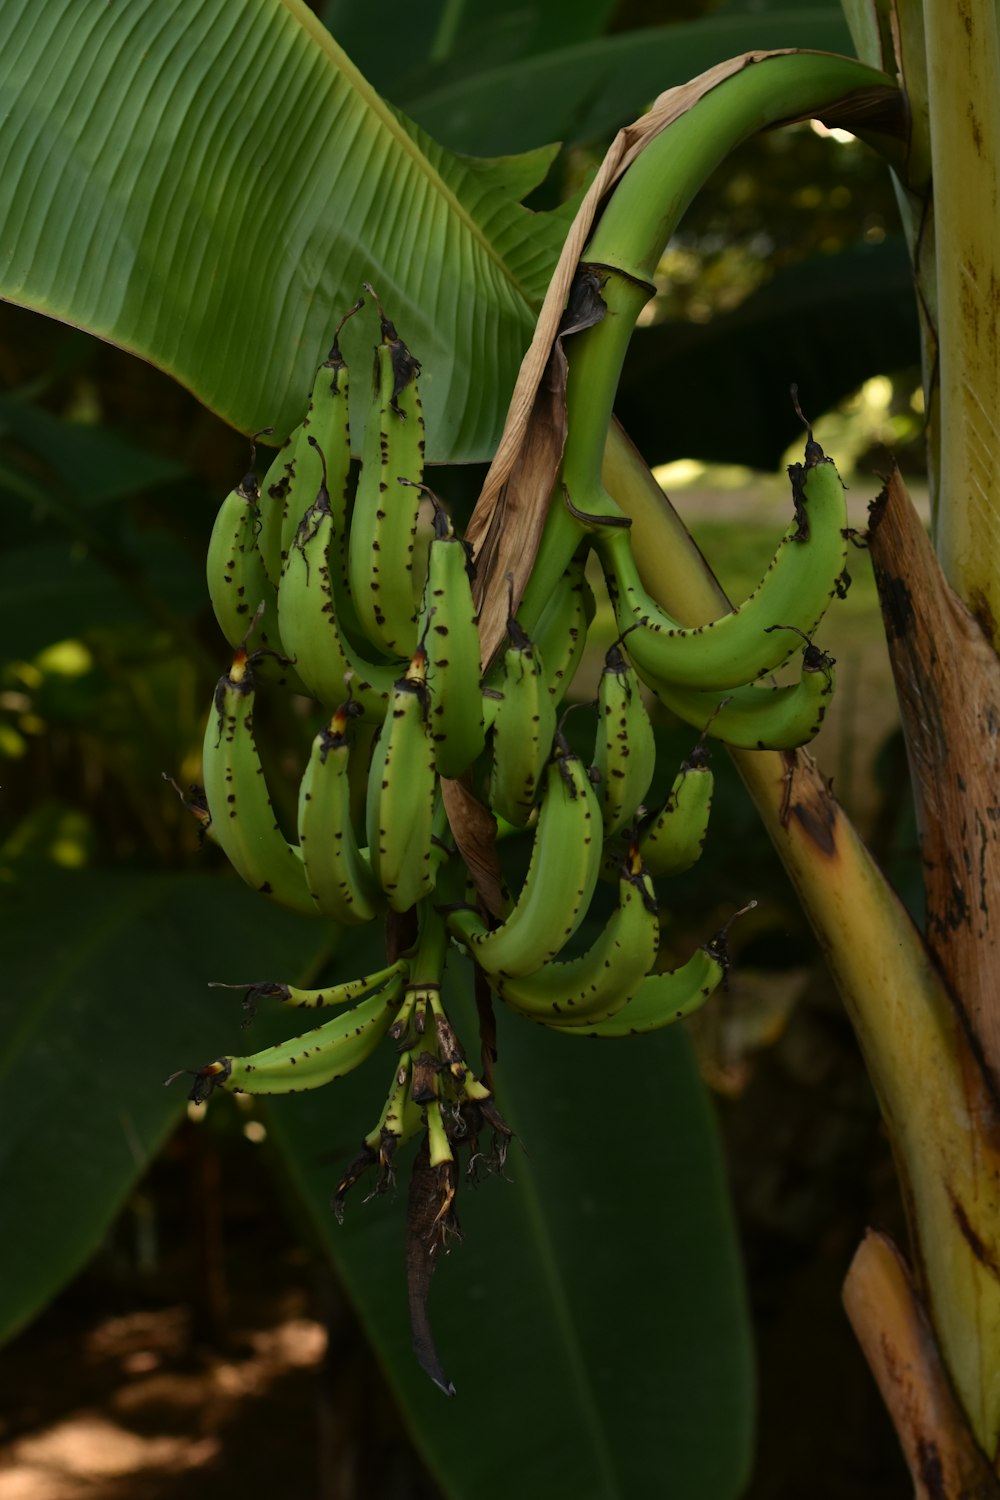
{"x":318,"y":584}
{"x":353,"y":587}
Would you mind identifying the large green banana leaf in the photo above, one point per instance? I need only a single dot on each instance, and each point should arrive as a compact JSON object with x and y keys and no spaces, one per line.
{"x":593,"y":1318}
{"x":209,"y":186}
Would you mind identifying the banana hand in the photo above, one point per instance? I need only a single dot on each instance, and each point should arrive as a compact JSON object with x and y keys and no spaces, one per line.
{"x":562,"y":875}
{"x":801,"y":579}
{"x":309,"y":1061}
{"x":598,"y":983}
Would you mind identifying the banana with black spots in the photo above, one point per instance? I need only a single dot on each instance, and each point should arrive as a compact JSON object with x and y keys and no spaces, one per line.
{"x":562,"y":874}
{"x":599,"y":982}
{"x":338,"y":872}
{"x":448,"y":626}
{"x":672,"y":839}
{"x":242,"y":818}
{"x":402,"y":793}
{"x":662,"y":999}
{"x":238,"y":584}
{"x":755,"y":716}
{"x":310,"y":611}
{"x":309,"y":1061}
{"x":624,"y":750}
{"x":325,"y":430}
{"x":561,"y":633}
{"x":294,"y":998}
{"x":524,"y":726}
{"x":806,"y":572}
{"x":384,"y":520}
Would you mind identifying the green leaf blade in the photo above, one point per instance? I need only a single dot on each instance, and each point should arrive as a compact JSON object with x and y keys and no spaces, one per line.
{"x":596,"y":1299}
{"x":209,"y":187}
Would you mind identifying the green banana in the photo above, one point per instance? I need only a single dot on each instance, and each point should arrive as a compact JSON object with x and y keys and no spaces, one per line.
{"x":384,"y":522}
{"x":273,"y":501}
{"x":400,"y":1118}
{"x":402,"y":1115}
{"x":805,"y":573}
{"x":439,"y":1144}
{"x":562,"y":875}
{"x":310,"y":610}
{"x":309,"y":1061}
{"x":448,"y":624}
{"x":673,"y":838}
{"x":662,"y":999}
{"x":324,"y":431}
{"x":599,"y":982}
{"x":560,"y":635}
{"x":242,"y":818}
{"x":238,"y":584}
{"x":524,"y":726}
{"x":625,"y":750}
{"x":332,"y":994}
{"x":402,"y":790}
{"x":338,"y":872}
{"x":755,"y":717}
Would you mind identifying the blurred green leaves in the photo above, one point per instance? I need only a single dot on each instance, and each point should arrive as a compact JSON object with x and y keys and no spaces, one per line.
{"x":105,"y":995}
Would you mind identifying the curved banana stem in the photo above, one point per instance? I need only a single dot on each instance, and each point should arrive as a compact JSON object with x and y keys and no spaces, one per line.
{"x":930,"y":1087}
{"x":632,"y":233}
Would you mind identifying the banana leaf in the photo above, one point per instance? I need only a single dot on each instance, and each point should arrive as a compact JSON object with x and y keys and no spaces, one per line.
{"x":593,"y":1318}
{"x":209,"y":187}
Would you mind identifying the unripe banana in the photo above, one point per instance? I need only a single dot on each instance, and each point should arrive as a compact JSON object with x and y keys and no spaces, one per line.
{"x":524,"y":726}
{"x":338,"y":872}
{"x":562,"y":875}
{"x":805,"y":573}
{"x":755,"y":717}
{"x":662,"y":999}
{"x":599,"y":982}
{"x":332,"y":994}
{"x":238,"y":585}
{"x":384,"y":522}
{"x":448,"y":625}
{"x":673,"y":838}
{"x":438,"y":1143}
{"x":400,"y":1119}
{"x":243,"y":821}
{"x":273,"y":500}
{"x":310,"y":608}
{"x":325,"y":431}
{"x":561,"y":633}
{"x":624,"y":750}
{"x":402,"y":792}
{"x":309,"y":1061}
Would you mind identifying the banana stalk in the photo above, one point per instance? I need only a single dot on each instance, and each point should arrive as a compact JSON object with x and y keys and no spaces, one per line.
{"x":948,"y":59}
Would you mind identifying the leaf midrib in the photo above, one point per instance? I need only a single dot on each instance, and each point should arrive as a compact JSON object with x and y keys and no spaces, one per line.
{"x":542,"y":1243}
